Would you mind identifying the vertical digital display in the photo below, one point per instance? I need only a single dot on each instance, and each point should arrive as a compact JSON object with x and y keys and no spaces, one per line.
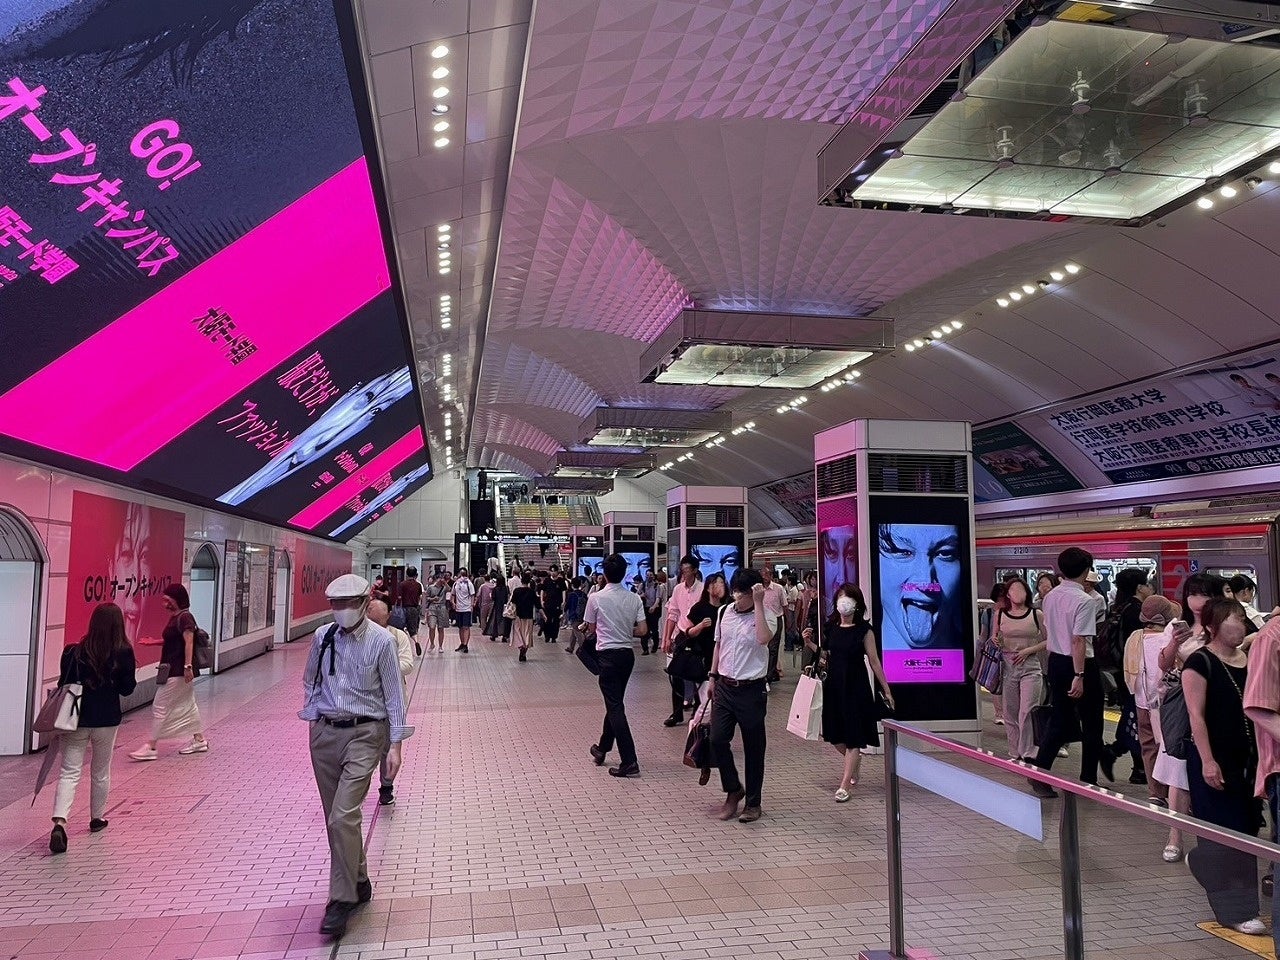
{"x":837,"y":522}
{"x":717,"y":551}
{"x":921,"y":585}
{"x":193,"y":260}
{"x":639,"y":557}
{"x":589,"y":564}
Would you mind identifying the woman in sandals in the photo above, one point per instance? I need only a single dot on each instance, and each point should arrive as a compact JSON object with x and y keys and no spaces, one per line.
{"x":174,"y":711}
{"x":848,"y":705}
{"x":104,"y":665}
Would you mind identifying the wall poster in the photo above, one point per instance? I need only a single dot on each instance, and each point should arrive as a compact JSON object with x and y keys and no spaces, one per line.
{"x":1018,"y":464}
{"x":316,"y":565}
{"x":249,"y":590}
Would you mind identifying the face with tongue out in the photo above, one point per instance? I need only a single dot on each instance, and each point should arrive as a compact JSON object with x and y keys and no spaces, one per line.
{"x":920,"y":569}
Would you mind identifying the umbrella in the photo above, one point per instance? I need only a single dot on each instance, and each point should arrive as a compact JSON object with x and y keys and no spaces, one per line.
{"x":46,"y":766}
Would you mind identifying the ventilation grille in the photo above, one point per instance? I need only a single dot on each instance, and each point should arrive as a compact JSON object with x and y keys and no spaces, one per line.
{"x":917,"y":473}
{"x":707,"y":518}
{"x":837,"y":477}
{"x":673,"y":517}
{"x":627,"y":533}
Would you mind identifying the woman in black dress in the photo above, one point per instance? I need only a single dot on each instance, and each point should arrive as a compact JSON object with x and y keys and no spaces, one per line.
{"x":848,"y":706}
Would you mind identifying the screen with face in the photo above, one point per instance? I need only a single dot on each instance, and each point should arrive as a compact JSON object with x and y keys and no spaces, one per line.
{"x":921,"y":589}
{"x":717,"y":551}
{"x":590,"y":564}
{"x":639,"y":563}
{"x":193,"y":259}
{"x":837,"y":549}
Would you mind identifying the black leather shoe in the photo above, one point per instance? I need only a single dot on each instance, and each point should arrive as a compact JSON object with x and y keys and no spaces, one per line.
{"x":1042,"y":790}
{"x":336,"y":913}
{"x":630,"y":770}
{"x":58,"y":839}
{"x":673,"y":721}
{"x":364,"y":891}
{"x":386,"y":796}
{"x":1108,"y":764}
{"x":750,"y":815}
{"x":1139,"y":776}
{"x":597,"y":755}
{"x":97,"y":825}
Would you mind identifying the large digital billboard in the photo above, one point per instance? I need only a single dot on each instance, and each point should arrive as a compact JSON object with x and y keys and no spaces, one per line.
{"x":717,"y":551}
{"x":196,"y":296}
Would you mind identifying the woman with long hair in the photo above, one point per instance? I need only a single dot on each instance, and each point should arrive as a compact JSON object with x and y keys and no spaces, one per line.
{"x":848,"y":704}
{"x":498,"y":625}
{"x":1021,"y":636}
{"x":104,"y":665}
{"x":174,"y":711}
{"x":1222,"y":763}
{"x":986,"y":630}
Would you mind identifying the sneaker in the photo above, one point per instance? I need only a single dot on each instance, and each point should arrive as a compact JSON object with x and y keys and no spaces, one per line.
{"x":999,"y":721}
{"x":1062,"y":752}
{"x":386,"y":795}
{"x":458,"y":649}
{"x":195,"y":746}
{"x":1252,"y":928}
{"x":144,"y":753}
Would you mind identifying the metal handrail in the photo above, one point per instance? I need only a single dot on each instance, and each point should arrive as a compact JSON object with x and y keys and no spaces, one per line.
{"x":1068,"y":834}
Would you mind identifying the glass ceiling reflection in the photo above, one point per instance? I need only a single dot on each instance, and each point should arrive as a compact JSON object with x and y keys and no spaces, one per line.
{"x":650,"y":437}
{"x":1093,"y":121}
{"x":721,"y":365}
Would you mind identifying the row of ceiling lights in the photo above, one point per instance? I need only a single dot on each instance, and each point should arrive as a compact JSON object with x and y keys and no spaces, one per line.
{"x":1227,"y":190}
{"x":718,"y":440}
{"x":849,"y":377}
{"x":1028,"y":289}
{"x":440,"y":126}
{"x":936,"y":334}
{"x":795,"y":404}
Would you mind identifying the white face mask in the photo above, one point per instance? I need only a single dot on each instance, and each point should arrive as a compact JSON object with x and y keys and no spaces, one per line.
{"x":846,"y":606}
{"x":349,"y":617}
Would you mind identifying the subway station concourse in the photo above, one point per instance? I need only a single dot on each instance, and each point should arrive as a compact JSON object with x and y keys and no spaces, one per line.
{"x":926,"y":342}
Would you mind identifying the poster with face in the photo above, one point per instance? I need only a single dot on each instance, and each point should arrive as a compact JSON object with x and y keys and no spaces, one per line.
{"x":717,"y":551}
{"x":639,"y":563}
{"x":122,"y":553}
{"x":921,"y":560}
{"x":837,"y":549}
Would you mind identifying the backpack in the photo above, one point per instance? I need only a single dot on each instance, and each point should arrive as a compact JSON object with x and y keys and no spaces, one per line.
{"x":1175,"y":722}
{"x":1108,"y":645}
{"x":200,"y":650}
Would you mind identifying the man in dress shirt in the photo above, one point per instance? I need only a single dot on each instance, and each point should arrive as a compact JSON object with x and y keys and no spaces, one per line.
{"x":617,"y":616}
{"x":354,"y":700}
{"x":686,"y":592}
{"x":774,"y":602}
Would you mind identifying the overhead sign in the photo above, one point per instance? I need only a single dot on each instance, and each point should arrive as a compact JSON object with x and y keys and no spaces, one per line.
{"x":1220,"y":417}
{"x":516,"y":539}
{"x":1019,"y":465}
{"x":195,"y":291}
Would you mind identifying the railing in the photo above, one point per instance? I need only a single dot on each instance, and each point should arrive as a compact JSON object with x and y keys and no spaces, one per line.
{"x":1021,"y":811}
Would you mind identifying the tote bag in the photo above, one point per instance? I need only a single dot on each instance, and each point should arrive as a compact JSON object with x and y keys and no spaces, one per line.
{"x":805,"y":718}
{"x":988,"y":669}
{"x":61,"y":712}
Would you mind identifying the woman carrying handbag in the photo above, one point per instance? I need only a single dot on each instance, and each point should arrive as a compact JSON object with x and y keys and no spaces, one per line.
{"x":174,"y":711}
{"x":103,"y":663}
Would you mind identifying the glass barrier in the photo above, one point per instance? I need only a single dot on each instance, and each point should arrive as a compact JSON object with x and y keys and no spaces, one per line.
{"x":980,"y":868}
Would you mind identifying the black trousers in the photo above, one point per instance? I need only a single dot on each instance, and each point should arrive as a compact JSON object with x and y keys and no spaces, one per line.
{"x":1069,"y":715}
{"x":551,"y":627}
{"x":615,"y":671}
{"x":774,"y":646}
{"x":743,"y":707}
{"x":653,"y":636}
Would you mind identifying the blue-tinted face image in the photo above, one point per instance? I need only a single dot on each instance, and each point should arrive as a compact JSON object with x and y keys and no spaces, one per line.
{"x":920,"y":570}
{"x":589,"y":566}
{"x":712,"y":558}
{"x":638,"y":564}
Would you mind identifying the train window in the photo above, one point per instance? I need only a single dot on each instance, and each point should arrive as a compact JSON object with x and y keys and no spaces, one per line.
{"x":1226,"y":573}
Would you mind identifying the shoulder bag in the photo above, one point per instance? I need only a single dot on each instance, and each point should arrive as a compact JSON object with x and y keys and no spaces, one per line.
{"x":587,"y":653}
{"x":61,"y":711}
{"x":988,"y":668}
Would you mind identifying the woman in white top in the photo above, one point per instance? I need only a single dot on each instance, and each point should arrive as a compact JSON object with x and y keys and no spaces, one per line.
{"x":1142,"y":675}
{"x":1180,"y":641}
{"x":1017,"y":629}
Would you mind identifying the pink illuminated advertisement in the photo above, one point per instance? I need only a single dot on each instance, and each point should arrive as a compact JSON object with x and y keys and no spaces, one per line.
{"x":316,"y":566}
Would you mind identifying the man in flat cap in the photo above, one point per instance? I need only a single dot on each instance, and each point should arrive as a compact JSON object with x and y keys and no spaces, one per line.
{"x":354,"y":701}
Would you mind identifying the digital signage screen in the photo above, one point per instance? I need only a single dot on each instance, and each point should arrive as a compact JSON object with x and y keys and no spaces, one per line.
{"x":589,"y":564}
{"x":717,"y":551}
{"x":922,"y":599}
{"x":639,"y":557}
{"x":837,"y":522}
{"x":195,"y":289}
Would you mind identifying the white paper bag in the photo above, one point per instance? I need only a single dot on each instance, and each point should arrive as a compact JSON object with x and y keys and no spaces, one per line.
{"x":805,"y":718}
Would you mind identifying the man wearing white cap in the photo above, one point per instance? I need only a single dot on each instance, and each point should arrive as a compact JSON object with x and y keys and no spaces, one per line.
{"x":354,"y":700}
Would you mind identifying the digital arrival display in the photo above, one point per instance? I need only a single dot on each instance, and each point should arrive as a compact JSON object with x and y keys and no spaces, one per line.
{"x":196,"y":297}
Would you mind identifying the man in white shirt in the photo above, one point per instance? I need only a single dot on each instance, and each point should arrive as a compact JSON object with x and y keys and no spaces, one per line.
{"x":775,"y":601}
{"x":617,"y":617}
{"x":1075,"y":682}
{"x":380,"y":614}
{"x":685,"y":592}
{"x":738,"y":669}
{"x":464,"y":596}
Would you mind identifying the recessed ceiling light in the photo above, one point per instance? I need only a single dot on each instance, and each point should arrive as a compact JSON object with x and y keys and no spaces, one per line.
{"x":442,"y":142}
{"x":1002,"y":301}
{"x":1057,"y":274}
{"x":440,"y":92}
{"x":440,"y":109}
{"x":1072,"y":268}
{"x":918,"y":343}
{"x":440,"y":51}
{"x":442,"y":245}
{"x":1228,"y":191}
{"x":444,"y":269}
{"x":1015,"y":295}
{"x":1028,"y":288}
{"x":911,"y":348}
{"x":936,"y":334}
{"x":444,"y":228}
{"x":957,"y":324}
{"x":1273,"y":167}
{"x":439,"y":73}
{"x":440,"y":126}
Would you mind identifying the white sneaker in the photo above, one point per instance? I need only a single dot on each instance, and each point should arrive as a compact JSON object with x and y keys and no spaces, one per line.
{"x":195,"y":746}
{"x":144,"y":753}
{"x":1253,"y":928}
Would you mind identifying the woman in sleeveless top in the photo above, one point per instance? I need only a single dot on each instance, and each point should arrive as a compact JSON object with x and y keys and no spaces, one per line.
{"x":1017,"y":628}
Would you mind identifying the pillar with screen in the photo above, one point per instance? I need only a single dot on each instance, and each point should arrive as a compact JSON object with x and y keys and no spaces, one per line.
{"x":709,"y":524}
{"x":588,"y":550}
{"x":895,"y":516}
{"x":633,"y":534}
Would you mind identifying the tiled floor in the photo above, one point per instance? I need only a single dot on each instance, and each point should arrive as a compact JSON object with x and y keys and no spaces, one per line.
{"x":508,"y":842}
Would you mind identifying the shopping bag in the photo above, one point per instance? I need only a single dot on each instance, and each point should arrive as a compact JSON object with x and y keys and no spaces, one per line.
{"x":61,"y":712}
{"x":805,"y":718}
{"x":988,"y":669}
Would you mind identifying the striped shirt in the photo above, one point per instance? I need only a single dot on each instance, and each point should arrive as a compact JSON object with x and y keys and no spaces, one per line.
{"x":366,"y":681}
{"x":1262,"y":691}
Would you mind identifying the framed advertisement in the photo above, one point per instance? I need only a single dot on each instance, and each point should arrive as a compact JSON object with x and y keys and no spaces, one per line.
{"x":837,"y":522}
{"x":922,"y":602}
{"x":717,"y":551}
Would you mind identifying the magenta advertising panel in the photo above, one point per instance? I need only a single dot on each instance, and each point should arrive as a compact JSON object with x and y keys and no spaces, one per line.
{"x":837,"y":522}
{"x":921,"y":597}
{"x":195,"y":289}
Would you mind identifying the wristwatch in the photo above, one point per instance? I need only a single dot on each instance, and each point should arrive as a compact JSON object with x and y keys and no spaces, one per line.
{"x":186,"y":666}
{"x":1079,"y":674}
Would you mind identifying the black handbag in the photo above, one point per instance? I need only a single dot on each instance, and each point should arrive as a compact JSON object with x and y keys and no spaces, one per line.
{"x":697,"y":747}
{"x":686,"y":662}
{"x":588,"y":654}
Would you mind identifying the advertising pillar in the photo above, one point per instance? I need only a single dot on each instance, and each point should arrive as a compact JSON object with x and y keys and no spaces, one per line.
{"x":634,"y":534}
{"x":709,"y":524}
{"x":588,"y":550}
{"x":895,"y":517}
